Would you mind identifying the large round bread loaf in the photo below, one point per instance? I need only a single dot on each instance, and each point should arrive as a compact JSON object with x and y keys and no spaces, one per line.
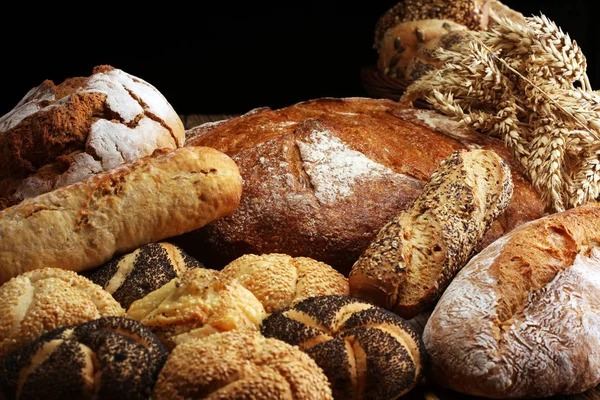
{"x":323,"y":176}
{"x":522,"y":318}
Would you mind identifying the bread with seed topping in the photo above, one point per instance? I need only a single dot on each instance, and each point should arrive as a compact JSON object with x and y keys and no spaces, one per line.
{"x":416,"y":254}
{"x":366,"y":351}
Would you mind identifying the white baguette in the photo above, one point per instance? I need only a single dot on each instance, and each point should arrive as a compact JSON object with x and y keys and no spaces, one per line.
{"x":84,"y":225}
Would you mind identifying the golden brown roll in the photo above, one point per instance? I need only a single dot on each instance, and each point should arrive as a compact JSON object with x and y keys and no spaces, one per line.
{"x":240,"y":365}
{"x":279,"y":280}
{"x":197,"y":304}
{"x":132,"y":276}
{"x":366,"y":351}
{"x":42,"y":300}
{"x":107,"y":358}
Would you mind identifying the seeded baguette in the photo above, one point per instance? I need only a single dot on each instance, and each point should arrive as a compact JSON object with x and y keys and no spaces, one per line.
{"x":417,"y":253}
{"x":84,"y":225}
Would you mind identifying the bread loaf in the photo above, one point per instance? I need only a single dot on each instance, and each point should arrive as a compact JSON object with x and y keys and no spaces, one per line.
{"x":61,"y":134}
{"x":39,"y":301}
{"x":279,"y":281}
{"x":322,"y":177}
{"x":198,"y":304}
{"x":522,"y":318}
{"x":104,"y":359}
{"x":416,"y":254}
{"x":366,"y":351}
{"x":240,"y":365}
{"x":132,"y":276}
{"x":84,"y":225}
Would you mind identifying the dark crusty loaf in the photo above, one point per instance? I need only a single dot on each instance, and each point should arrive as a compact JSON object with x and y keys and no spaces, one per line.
{"x":132,"y":276}
{"x":61,"y":134}
{"x":323,"y":176}
{"x":416,"y":254}
{"x":522,"y":318}
{"x":240,"y":365}
{"x":104,"y":359}
{"x":366,"y":351}
{"x":84,"y":225}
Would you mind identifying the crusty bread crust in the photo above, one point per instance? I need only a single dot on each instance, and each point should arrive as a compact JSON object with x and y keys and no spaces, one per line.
{"x":322,"y":177}
{"x":417,"y":253}
{"x":522,"y":318}
{"x":84,"y":225}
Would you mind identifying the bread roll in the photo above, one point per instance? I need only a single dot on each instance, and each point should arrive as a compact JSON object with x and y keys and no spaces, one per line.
{"x":61,"y":134}
{"x":401,"y":53}
{"x":417,"y":253}
{"x":240,"y":365}
{"x":84,"y":225}
{"x":39,"y":301}
{"x":522,"y":318}
{"x":366,"y":351}
{"x":279,"y":281}
{"x":107,"y":358}
{"x":197,"y":304}
{"x":322,"y":177}
{"x":132,"y":276}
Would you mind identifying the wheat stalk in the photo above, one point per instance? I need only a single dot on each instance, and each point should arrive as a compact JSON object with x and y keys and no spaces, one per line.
{"x":518,"y":82}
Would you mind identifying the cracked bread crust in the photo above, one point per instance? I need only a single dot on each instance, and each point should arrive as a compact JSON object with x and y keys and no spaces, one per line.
{"x":322,"y":177}
{"x":60,"y":134}
{"x":84,"y":225}
{"x":417,"y":253}
{"x":522,"y":318}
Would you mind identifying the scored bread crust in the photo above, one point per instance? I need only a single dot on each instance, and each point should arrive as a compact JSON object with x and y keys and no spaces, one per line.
{"x":416,"y":254}
{"x":322,"y":177}
{"x":522,"y":318}
{"x":84,"y":225}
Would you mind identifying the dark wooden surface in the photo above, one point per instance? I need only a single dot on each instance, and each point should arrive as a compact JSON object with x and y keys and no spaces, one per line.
{"x":428,"y":390}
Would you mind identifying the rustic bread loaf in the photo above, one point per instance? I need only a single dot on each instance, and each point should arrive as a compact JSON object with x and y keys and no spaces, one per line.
{"x":104,"y":359}
{"x":366,"y":351}
{"x":240,"y":365}
{"x":84,"y":225}
{"x":402,"y":53}
{"x":322,"y":177}
{"x":279,"y":281}
{"x":199,"y":303}
{"x":522,"y":318}
{"x":39,"y":301}
{"x":132,"y":276}
{"x":60,"y":134}
{"x":417,"y":253}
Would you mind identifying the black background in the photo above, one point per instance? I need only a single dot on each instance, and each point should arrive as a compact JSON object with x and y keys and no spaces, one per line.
{"x":226,"y":57}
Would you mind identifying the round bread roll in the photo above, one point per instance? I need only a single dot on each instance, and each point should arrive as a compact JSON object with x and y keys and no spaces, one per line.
{"x":42,"y":300}
{"x":107,"y":358}
{"x":240,"y":365}
{"x":132,"y":276}
{"x":60,"y":134}
{"x":279,"y":281}
{"x":522,"y":318}
{"x":197,"y":304}
{"x":412,"y":43}
{"x":366,"y":351}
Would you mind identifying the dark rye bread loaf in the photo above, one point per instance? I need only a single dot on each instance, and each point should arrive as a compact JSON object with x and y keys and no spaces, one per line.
{"x":321,"y":177}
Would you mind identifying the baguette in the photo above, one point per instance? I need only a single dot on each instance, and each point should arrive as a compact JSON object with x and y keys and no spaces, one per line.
{"x":84,"y":225}
{"x":417,"y":253}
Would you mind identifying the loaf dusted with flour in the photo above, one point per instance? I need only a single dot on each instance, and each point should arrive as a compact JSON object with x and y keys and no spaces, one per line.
{"x":84,"y":225}
{"x":61,"y":134}
{"x":322,"y":177}
{"x":416,"y":254}
{"x":522,"y":318}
